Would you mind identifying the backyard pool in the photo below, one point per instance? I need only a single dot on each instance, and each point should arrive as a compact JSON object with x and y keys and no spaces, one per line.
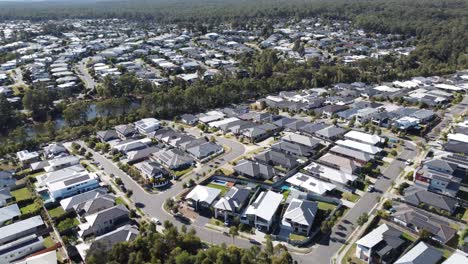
{"x":220,"y":182}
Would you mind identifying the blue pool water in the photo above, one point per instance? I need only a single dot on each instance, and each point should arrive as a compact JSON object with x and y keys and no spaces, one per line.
{"x":219,"y":182}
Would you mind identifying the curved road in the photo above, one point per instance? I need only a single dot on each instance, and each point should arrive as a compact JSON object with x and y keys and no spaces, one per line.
{"x":152,"y":204}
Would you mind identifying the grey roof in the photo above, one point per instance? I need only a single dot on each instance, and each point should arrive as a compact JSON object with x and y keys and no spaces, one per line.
{"x":301,"y":211}
{"x":189,"y":118}
{"x":7,"y":233}
{"x":296,"y":125}
{"x":95,"y":205}
{"x":417,"y":195}
{"x":204,"y":150}
{"x":421,"y":254}
{"x":233,"y":199}
{"x":125,"y":129}
{"x":173,"y":158}
{"x":301,"y":139}
{"x":284,"y":121}
{"x":255,"y":169}
{"x":5,"y":194}
{"x":293,"y":148}
{"x":9,"y":212}
{"x":330,"y":132}
{"x":105,"y":215}
{"x":121,"y":234}
{"x":70,"y":202}
{"x":351,"y":153}
{"x":107,"y":135}
{"x":273,"y":157}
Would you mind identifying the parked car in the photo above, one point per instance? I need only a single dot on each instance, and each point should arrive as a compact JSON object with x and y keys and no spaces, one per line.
{"x":155,"y":220}
{"x":254,"y":242}
{"x":123,"y":188}
{"x":370,"y":188}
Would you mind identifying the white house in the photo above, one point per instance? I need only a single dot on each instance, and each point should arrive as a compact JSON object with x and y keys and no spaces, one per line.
{"x":71,"y":185}
{"x":261,"y":213}
{"x":147,"y":125}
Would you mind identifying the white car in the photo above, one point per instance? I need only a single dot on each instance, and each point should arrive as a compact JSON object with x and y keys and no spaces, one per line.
{"x":155,"y":220}
{"x":370,"y":188}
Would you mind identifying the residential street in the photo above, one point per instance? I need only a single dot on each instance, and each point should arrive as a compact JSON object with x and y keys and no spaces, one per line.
{"x":152,"y":204}
{"x":327,"y":248}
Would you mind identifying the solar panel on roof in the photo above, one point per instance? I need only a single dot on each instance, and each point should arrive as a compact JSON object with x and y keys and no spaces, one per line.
{"x":75,"y":180}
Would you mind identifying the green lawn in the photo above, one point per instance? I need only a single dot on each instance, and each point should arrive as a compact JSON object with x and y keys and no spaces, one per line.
{"x":223,"y":189}
{"x":48,"y":242}
{"x":181,"y":173}
{"x":465,"y":216}
{"x":351,"y":197}
{"x":120,"y":200}
{"x":215,"y":222}
{"x":22,"y":194}
{"x":350,"y":256}
{"x":67,"y":224}
{"x":326,"y":206}
{"x":296,"y":237}
{"x":408,"y":237}
{"x":56,"y":212}
{"x":33,"y":207}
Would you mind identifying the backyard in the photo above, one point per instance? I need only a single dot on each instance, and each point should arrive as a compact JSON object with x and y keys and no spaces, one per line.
{"x":56,"y":212}
{"x":22,"y":194}
{"x":223,"y":189}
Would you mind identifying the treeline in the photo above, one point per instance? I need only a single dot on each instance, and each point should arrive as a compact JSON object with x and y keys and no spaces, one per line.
{"x":183,"y":247}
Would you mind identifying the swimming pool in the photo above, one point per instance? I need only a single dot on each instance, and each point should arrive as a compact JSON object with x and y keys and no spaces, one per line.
{"x":220,"y":182}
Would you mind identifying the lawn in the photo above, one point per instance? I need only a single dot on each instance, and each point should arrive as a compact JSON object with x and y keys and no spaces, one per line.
{"x":227,"y":172}
{"x":56,"y":212}
{"x":120,"y":200}
{"x":465,"y":216}
{"x":48,"y":242}
{"x":296,"y":237}
{"x":351,"y":197}
{"x":181,"y":173}
{"x":215,"y":222}
{"x":30,"y":208}
{"x":223,"y":189}
{"x":22,"y":194}
{"x":408,"y":237}
{"x":326,"y":206}
{"x":67,"y":224}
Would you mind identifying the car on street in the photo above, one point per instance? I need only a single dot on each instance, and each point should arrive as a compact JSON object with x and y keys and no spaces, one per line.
{"x":155,"y":220}
{"x":370,"y":188}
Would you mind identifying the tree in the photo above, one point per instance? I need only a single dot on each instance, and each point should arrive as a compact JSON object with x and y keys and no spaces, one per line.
{"x":76,"y":114}
{"x":362,"y":219}
{"x":6,"y":114}
{"x":233,"y":232}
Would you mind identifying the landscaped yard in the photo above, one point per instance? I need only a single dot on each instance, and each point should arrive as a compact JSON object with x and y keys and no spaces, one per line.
{"x":22,"y":194}
{"x":30,"y":208}
{"x":215,"y":222}
{"x":408,"y":237}
{"x":227,"y":172}
{"x":181,"y":173}
{"x":48,"y":242}
{"x":326,"y":206}
{"x":223,"y":189}
{"x":56,"y":212}
{"x":120,"y":200}
{"x":351,"y":197}
{"x":67,"y":224}
{"x":350,"y":256}
{"x":296,"y":237}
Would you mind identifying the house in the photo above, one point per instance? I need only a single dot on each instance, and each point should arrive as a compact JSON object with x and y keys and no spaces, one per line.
{"x":71,"y":185}
{"x":205,"y":150}
{"x":20,"y":229}
{"x":26,"y":158}
{"x":355,"y":155}
{"x":310,"y":184}
{"x":440,"y":176}
{"x":299,"y":216}
{"x":422,"y":253}
{"x":95,"y":205}
{"x":6,"y":179}
{"x":381,"y":245}
{"x":331,"y":133}
{"x":125,"y":131}
{"x":406,"y":122}
{"x":202,"y":197}
{"x":457,"y":257}
{"x":358,"y":146}
{"x":104,"y":221}
{"x":147,"y":125}
{"x":107,"y":135}
{"x":8,"y":213}
{"x":173,"y":159}
{"x":105,"y":242}
{"x":340,"y":163}
{"x":129,"y":145}
{"x":457,"y":143}
{"x":279,"y":160}
{"x":311,"y":128}
{"x":140,"y":154}
{"x":330,"y":174}
{"x":45,"y":178}
{"x":418,"y":196}
{"x":5,"y":196}
{"x":330,"y":110}
{"x":20,"y":248}
{"x":56,"y":150}
{"x":364,"y":138}
{"x":262,"y":212}
{"x":49,"y":257}
{"x":254,"y":169}
{"x":306,"y":145}
{"x":55,"y":164}
{"x":232,"y":203}
{"x":189,"y":119}
{"x":69,"y":204}
{"x":260,"y":132}
{"x":417,"y":219}
{"x":154,"y":173}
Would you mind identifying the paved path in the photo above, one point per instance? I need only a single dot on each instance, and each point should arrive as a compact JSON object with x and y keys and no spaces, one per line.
{"x":329,"y":246}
